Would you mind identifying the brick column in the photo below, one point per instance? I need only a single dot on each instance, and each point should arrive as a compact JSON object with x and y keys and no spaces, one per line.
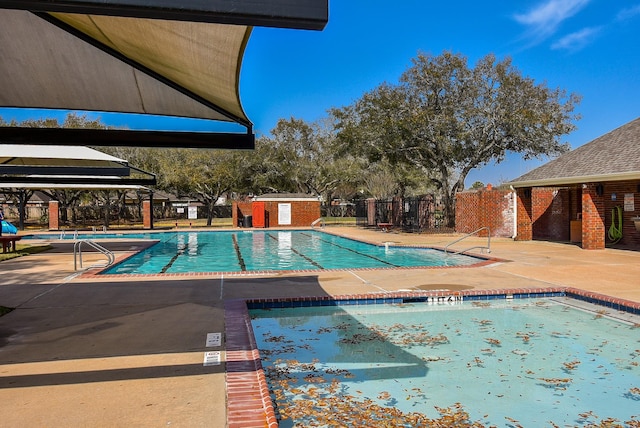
{"x":234,"y":214}
{"x":147,"y":215}
{"x":593,"y":230}
{"x":524,"y":215}
{"x":371,"y":212}
{"x":54,"y":215}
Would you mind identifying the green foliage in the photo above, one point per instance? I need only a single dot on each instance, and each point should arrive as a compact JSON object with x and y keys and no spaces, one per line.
{"x":446,"y":118}
{"x":302,"y":157}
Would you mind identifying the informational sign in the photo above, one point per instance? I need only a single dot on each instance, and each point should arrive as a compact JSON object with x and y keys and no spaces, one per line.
{"x":180,"y":210}
{"x":213,"y":339}
{"x":193,"y":213}
{"x":284,"y":214}
{"x":211,"y":358}
{"x":628,"y":202}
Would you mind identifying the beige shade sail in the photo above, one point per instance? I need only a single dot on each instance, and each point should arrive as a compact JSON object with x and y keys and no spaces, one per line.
{"x":121,"y":64}
{"x":178,"y":58}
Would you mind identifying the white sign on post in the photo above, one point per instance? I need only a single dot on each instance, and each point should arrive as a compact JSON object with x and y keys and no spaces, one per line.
{"x":193,"y":213}
{"x":284,"y":214}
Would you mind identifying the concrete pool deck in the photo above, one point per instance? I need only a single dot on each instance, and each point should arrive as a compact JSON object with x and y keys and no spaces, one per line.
{"x":89,"y":351}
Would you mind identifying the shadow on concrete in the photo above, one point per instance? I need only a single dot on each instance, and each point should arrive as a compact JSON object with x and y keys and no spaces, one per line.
{"x":83,"y":377}
{"x":94,"y":320}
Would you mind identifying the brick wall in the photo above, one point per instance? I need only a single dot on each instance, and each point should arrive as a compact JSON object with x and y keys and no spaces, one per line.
{"x":147,"y":215}
{"x":303,"y":213}
{"x":485,"y":207}
{"x":524,"y":215}
{"x":54,"y":215}
{"x":630,"y":236}
{"x":239,"y":210}
{"x":593,"y":231}
{"x":551,"y":213}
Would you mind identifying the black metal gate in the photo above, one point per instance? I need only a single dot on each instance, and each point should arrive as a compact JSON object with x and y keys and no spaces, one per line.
{"x":415,"y":214}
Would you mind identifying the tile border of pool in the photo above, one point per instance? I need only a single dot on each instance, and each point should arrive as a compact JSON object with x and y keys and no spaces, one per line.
{"x":248,"y":398}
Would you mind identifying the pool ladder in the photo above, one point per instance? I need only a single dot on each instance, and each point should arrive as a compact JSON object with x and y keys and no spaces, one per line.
{"x":481,"y":247}
{"x":77,"y":254}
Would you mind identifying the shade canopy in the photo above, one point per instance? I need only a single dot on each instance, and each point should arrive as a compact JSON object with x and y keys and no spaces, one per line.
{"x":46,"y":167}
{"x":158,"y":57}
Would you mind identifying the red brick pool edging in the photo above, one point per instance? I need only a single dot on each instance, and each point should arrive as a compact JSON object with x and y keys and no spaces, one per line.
{"x":248,"y":396}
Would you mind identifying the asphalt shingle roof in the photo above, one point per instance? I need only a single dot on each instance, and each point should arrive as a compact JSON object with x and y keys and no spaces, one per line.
{"x":611,"y":157}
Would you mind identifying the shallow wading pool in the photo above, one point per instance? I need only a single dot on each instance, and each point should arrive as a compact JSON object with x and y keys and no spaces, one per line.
{"x":522,"y":362}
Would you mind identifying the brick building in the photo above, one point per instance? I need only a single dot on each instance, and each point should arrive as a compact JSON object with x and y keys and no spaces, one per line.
{"x":590,"y":195}
{"x":277,"y":210}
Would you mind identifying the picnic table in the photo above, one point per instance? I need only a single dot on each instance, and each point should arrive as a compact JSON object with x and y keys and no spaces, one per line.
{"x":9,"y":242}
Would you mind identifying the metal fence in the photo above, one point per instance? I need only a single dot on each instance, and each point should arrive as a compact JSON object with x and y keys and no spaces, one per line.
{"x":415,"y":214}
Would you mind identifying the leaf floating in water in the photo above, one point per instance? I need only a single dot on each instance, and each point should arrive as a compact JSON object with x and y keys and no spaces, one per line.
{"x":481,"y":304}
{"x":556,"y":383}
{"x":492,"y":341}
{"x":314,"y":379}
{"x":568,"y":366}
{"x":600,"y":314}
{"x":384,"y":395}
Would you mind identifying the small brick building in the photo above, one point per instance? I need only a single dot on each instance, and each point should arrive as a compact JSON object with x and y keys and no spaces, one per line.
{"x":277,"y":210}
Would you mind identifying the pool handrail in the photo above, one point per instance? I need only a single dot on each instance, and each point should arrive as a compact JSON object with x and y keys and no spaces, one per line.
{"x":77,"y":251}
{"x":316,"y":221}
{"x":487,"y":247}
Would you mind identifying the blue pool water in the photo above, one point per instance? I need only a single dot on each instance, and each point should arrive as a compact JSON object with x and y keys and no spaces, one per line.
{"x":529,"y":362}
{"x":220,"y":251}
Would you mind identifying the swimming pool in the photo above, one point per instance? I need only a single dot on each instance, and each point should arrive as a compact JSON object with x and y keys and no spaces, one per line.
{"x":265,"y":251}
{"x":529,"y":362}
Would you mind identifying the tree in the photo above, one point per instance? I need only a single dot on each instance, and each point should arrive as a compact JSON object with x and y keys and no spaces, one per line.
{"x":302,"y":157}
{"x":68,"y":199}
{"x":203,"y":175}
{"x":446,"y":119}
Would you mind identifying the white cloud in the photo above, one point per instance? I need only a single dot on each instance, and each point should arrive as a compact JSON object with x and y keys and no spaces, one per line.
{"x":544,"y":19}
{"x":578,"y":40}
{"x":628,"y":13}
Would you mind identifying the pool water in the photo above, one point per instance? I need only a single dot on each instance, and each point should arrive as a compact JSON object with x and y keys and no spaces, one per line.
{"x":273,"y":251}
{"x":529,"y":362}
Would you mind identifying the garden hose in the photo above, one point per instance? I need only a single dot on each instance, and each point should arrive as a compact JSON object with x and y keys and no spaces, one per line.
{"x":615,"y":232}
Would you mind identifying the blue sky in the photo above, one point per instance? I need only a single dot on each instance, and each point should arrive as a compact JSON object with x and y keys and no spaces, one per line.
{"x":589,"y":47}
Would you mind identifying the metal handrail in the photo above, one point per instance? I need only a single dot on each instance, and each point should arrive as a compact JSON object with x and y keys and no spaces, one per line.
{"x":487,"y":247}
{"x":316,"y":221}
{"x":77,"y":253}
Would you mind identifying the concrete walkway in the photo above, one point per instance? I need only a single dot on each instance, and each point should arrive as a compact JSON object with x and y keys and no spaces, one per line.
{"x":85,"y":351}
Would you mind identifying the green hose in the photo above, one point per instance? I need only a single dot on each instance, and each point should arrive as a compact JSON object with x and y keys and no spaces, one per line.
{"x":615,"y":232}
